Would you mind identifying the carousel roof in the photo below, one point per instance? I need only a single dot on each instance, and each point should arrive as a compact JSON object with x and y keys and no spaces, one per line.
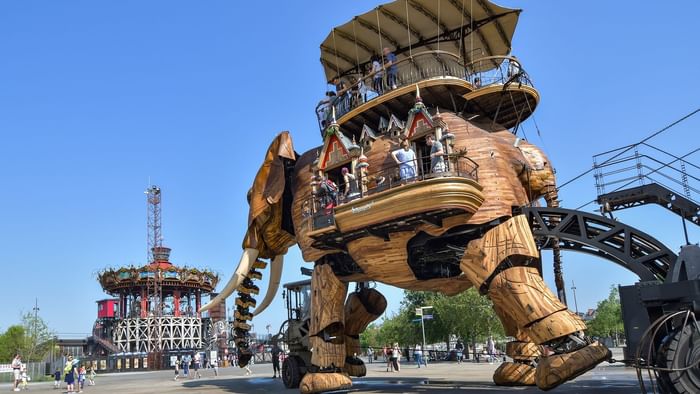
{"x":409,"y":26}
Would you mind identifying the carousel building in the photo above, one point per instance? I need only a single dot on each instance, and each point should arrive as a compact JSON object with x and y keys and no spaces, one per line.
{"x":154,"y":309}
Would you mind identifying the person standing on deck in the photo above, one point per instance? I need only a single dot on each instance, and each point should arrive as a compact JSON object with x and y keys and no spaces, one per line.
{"x":406,"y":159}
{"x":392,"y":69}
{"x":377,"y":75}
{"x":437,"y":162}
{"x":351,"y":189}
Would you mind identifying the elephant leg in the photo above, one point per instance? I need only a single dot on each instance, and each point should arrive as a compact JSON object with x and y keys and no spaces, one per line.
{"x":524,"y":352}
{"x":361,"y":308}
{"x":498,"y":264}
{"x":326,"y":333}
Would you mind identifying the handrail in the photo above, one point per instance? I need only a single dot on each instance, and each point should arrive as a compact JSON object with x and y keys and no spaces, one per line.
{"x":387,"y":178}
{"x":421,"y":66}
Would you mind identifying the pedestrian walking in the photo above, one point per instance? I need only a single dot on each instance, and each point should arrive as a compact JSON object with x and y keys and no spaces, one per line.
{"x":418,"y":355}
{"x":276,"y":361}
{"x":16,"y":371}
{"x":25,"y":378}
{"x":459,"y":347}
{"x":197,"y":361}
{"x":91,"y":375}
{"x":186,"y":365}
{"x":397,"y":357}
{"x":57,"y":379}
{"x":69,"y":371}
{"x":177,"y":368}
{"x":370,"y":355}
{"x":82,"y":372}
{"x":215,"y":365}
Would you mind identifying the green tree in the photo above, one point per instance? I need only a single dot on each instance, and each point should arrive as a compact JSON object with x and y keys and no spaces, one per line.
{"x":39,"y":338}
{"x":12,"y":341}
{"x":369,"y":336}
{"x":608,"y":318}
{"x":469,"y":315}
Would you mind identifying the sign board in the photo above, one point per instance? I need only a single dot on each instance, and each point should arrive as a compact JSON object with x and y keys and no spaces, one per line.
{"x":419,"y":311}
{"x":428,"y":317}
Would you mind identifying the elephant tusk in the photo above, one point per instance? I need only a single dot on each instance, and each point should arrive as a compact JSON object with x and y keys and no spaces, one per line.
{"x":247,"y":260}
{"x":275,"y":276}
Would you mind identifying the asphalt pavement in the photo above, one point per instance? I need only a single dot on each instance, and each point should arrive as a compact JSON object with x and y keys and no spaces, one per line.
{"x":444,"y":377}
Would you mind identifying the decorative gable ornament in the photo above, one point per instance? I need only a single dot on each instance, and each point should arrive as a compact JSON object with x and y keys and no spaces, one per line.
{"x":337,"y":149}
{"x":367,"y":137}
{"x":419,"y":121}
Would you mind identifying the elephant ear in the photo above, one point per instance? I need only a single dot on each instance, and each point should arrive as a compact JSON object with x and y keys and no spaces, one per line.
{"x":267,"y":191}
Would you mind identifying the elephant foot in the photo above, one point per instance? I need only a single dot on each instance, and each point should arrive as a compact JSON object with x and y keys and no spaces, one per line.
{"x":355,"y":367}
{"x":559,"y":368}
{"x":324,"y":381}
{"x":514,"y":374}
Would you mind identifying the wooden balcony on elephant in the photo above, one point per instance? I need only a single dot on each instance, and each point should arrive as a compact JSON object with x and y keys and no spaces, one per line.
{"x":388,"y":202}
{"x":496,"y":87}
{"x":459,"y":58}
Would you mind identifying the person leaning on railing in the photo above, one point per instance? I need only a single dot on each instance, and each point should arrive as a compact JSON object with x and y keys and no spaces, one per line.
{"x":406,"y":159}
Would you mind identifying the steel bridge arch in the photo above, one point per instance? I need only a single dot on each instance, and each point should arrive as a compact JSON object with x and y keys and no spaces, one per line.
{"x":593,"y":234}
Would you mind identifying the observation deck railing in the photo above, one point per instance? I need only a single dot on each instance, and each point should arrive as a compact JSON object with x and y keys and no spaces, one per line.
{"x":486,"y":71}
{"x":320,"y":207}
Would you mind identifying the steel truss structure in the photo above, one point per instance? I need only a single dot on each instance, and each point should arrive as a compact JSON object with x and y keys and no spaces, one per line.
{"x":174,"y":332}
{"x":594,"y":234}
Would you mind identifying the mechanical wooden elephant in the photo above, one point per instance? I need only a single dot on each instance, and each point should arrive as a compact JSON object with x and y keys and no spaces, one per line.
{"x":437,"y":231}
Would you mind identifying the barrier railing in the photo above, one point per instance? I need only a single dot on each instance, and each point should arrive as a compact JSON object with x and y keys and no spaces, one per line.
{"x":360,"y":89}
{"x":320,"y":207}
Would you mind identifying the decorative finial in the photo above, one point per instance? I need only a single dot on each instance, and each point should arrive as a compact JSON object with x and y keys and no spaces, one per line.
{"x":418,"y":98}
{"x":334,"y":121}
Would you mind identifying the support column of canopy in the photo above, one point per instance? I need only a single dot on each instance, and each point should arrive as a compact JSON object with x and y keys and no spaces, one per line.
{"x":144,"y":303}
{"x":176,"y":303}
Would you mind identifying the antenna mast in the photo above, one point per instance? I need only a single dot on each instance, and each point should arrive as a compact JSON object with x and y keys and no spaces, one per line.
{"x":157,"y":255}
{"x":154,"y":234}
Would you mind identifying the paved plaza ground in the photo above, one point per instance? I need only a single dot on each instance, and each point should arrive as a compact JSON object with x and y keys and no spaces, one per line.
{"x":441,"y":377}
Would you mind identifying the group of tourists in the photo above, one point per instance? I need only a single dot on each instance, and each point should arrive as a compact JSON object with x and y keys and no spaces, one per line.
{"x":74,"y":375}
{"x":349,"y":95}
{"x":329,"y":194}
{"x":194,"y":362}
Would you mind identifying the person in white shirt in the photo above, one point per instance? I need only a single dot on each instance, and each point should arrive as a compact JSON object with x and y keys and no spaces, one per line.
{"x":16,"y":370}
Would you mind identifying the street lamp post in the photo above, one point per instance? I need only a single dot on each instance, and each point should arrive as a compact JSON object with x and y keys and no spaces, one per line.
{"x":573,"y":288}
{"x":419,"y":311}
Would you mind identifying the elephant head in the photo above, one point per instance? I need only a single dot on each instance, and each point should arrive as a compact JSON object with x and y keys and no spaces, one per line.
{"x":270,"y":230}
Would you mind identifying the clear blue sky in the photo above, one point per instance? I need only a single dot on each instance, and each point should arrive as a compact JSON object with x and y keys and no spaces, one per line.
{"x":96,"y":98}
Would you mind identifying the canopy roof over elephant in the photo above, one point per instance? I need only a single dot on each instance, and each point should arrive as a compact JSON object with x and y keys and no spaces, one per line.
{"x":470,"y":29}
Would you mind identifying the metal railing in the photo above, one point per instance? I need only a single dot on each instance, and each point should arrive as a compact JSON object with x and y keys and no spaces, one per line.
{"x":640,"y":164}
{"x":497,"y":70}
{"x":320,"y":207}
{"x":480,"y":73}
